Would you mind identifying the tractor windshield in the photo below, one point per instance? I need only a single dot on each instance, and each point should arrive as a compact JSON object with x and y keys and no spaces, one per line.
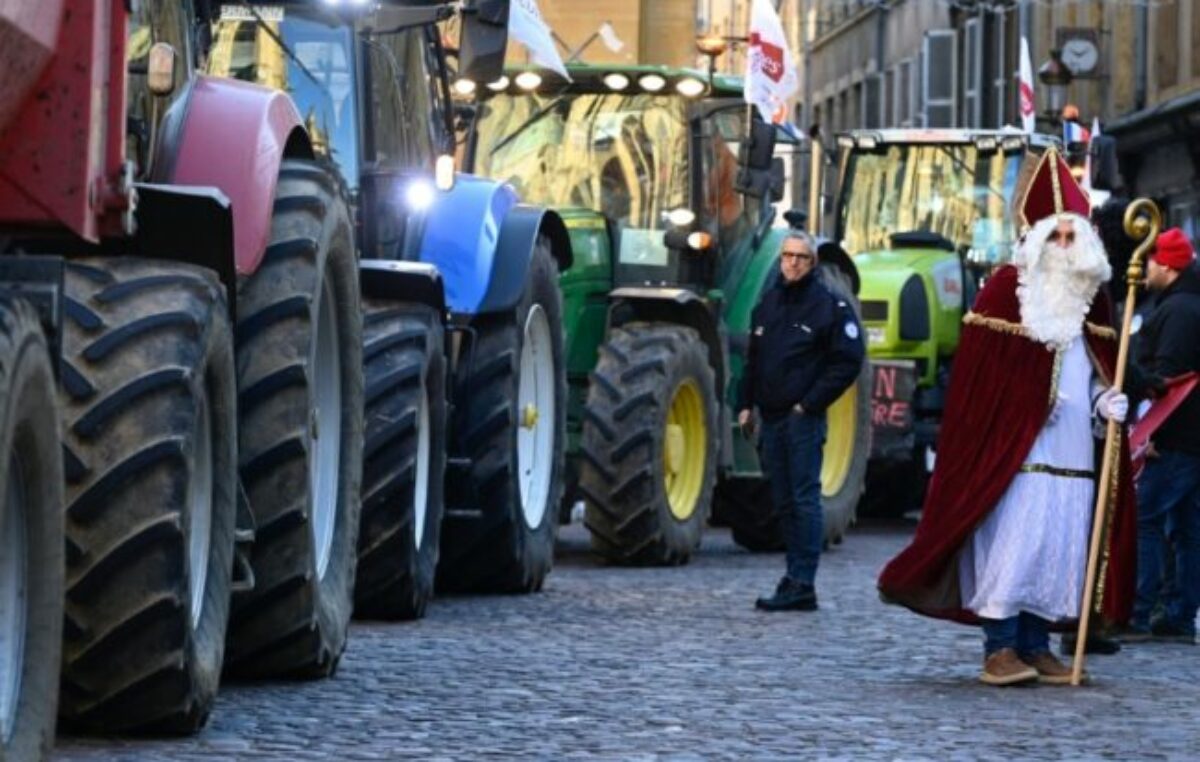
{"x":625,"y":156}
{"x":953,"y":190}
{"x":305,"y":55}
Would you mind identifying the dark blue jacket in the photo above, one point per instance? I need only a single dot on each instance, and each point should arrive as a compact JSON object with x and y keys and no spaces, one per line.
{"x":1169,"y":345}
{"x":806,"y":347}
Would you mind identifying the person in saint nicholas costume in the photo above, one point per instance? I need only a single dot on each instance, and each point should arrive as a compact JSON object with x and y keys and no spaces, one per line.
{"x":1004,"y":533}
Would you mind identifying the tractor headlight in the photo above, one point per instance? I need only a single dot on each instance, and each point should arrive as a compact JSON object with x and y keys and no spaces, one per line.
{"x":616,"y":81}
{"x":499,"y":85}
{"x":690,"y":87}
{"x":651,"y":83}
{"x":529,"y":80}
{"x":681,"y":217}
{"x":419,"y":195}
{"x":464,"y":87}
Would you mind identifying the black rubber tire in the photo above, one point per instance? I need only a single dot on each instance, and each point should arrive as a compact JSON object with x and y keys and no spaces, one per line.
{"x":405,"y":368}
{"x":147,"y":347}
{"x":487,"y":545}
{"x":294,"y":622}
{"x":623,"y":478}
{"x":746,"y":505}
{"x":29,"y":421}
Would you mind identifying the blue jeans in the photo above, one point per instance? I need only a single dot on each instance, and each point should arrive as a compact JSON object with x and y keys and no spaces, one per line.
{"x":792,"y":450}
{"x":1025,"y":633}
{"x":1168,"y":496}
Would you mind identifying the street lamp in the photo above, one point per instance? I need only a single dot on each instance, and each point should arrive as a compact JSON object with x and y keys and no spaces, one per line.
{"x":712,"y":46}
{"x":1055,"y":75}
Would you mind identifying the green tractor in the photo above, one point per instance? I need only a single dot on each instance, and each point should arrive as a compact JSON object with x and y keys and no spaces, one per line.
{"x":926,"y":215}
{"x":666,"y":185}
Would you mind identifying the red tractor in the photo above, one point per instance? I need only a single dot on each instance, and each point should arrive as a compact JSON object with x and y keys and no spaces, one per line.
{"x":177,"y":259}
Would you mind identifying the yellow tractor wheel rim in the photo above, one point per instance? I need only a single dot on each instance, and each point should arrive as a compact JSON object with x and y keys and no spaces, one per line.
{"x":839,"y":442}
{"x":685,"y":447}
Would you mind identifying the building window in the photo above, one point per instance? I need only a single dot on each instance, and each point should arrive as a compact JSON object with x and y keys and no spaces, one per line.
{"x":903,"y":96}
{"x":972,"y":76}
{"x":872,"y":107}
{"x":940,"y":77}
{"x":917,"y":89}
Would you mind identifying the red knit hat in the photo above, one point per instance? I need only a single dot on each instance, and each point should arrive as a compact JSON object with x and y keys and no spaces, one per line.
{"x":1173,"y":250}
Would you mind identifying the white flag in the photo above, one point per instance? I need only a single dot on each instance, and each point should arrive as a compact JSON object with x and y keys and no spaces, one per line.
{"x":1026,"y":103}
{"x":609,"y":37}
{"x":770,"y":75}
{"x":526,"y":26}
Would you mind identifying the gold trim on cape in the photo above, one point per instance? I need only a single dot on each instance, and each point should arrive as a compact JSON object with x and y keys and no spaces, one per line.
{"x":996,"y":324}
{"x":1101,"y":331}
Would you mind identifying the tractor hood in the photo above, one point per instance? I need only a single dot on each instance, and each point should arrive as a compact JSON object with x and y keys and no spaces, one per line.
{"x":912,"y":301}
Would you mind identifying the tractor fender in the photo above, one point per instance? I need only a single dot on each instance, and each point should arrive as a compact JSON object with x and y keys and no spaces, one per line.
{"x":831,"y":252}
{"x":233,"y":136}
{"x":403,"y":281}
{"x":481,"y":239}
{"x":672,"y":305}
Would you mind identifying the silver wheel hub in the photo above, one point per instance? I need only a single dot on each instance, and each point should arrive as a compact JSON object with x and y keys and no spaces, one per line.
{"x":14,"y":605}
{"x":200,"y":509}
{"x":421,"y":488}
{"x":536,"y":413}
{"x":325,"y":430}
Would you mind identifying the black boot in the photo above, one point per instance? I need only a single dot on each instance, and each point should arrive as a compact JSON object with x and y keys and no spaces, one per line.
{"x":790,"y":595}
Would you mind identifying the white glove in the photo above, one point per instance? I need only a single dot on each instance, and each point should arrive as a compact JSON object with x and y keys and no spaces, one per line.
{"x":1058,"y":406}
{"x":1112,"y":405}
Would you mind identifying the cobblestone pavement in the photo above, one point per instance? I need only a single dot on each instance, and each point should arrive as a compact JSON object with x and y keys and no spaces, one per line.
{"x":675,"y":663}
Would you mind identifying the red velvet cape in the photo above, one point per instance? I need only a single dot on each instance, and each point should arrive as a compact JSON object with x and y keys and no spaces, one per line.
{"x":999,"y":398}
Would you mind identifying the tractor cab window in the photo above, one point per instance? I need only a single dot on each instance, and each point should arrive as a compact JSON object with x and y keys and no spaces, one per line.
{"x":732,"y":214}
{"x":151,"y":23}
{"x":953,"y":190}
{"x":305,"y":54}
{"x":625,"y":156}
{"x":402,"y":107}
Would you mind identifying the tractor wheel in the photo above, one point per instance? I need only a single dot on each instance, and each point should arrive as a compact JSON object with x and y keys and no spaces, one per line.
{"x":31,"y":537}
{"x":649,"y":445}
{"x":150,"y":453}
{"x":404,"y":460}
{"x":300,"y":397}
{"x":511,"y":424}
{"x":746,"y":504}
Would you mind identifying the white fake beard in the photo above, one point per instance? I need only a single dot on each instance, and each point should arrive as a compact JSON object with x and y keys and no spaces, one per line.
{"x":1056,"y":285}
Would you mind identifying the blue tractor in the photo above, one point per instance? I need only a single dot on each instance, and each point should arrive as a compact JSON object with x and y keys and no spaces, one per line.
{"x":462,"y":317}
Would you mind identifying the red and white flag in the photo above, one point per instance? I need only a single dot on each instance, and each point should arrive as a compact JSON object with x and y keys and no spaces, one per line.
{"x":770,"y":74}
{"x":1026,"y":103}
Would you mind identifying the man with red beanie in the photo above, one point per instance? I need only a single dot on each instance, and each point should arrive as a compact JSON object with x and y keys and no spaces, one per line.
{"x":1169,"y":488}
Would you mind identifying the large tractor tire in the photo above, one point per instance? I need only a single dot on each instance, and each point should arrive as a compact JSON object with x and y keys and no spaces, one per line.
{"x":300,"y":398}
{"x":149,"y":437}
{"x":404,"y":460}
{"x":746,"y":504}
{"x":510,"y":421}
{"x":31,"y":538}
{"x":649,"y":445}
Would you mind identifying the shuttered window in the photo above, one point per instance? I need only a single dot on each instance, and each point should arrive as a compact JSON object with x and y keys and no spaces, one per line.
{"x":939,"y":77}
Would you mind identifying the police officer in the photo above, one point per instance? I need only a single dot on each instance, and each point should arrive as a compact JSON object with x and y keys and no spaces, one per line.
{"x":806,"y":348}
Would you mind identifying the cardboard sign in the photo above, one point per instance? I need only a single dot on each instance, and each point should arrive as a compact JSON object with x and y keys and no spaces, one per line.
{"x":893,"y":384}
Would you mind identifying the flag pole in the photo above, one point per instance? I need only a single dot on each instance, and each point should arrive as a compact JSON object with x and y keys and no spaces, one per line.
{"x":1143,"y":220}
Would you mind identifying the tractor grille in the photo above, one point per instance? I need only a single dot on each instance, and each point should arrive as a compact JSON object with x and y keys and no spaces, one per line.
{"x":874,"y":310}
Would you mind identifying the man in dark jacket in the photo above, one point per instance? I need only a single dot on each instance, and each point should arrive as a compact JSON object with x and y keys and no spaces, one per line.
{"x":1169,"y":488}
{"x":806,"y":348}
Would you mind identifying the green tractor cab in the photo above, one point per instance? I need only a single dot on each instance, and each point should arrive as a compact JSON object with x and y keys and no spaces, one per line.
{"x":926,"y":215}
{"x":666,"y":187}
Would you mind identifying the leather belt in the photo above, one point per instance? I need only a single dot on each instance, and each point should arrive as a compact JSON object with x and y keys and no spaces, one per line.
{"x":1043,"y":468}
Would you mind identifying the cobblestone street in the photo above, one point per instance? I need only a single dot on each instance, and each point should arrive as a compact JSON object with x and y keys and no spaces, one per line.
{"x":676,"y":663}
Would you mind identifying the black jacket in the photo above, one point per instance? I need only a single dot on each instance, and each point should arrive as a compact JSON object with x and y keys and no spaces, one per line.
{"x":806,"y":347}
{"x":1167,"y":345}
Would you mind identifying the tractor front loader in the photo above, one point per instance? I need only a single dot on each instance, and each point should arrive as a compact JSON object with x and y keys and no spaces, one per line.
{"x":463,"y":338}
{"x":201,"y":293}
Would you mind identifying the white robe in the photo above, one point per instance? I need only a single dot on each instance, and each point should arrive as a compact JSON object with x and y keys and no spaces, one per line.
{"x":1031,"y":551}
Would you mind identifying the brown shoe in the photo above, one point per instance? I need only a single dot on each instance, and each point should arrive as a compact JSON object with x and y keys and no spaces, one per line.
{"x":1006,"y":668}
{"x":1050,"y":670}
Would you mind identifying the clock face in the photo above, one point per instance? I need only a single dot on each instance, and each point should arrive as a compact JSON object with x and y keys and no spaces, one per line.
{"x":1080,"y":55}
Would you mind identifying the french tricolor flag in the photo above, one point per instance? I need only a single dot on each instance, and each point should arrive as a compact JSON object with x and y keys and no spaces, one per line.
{"x":1074,"y":132}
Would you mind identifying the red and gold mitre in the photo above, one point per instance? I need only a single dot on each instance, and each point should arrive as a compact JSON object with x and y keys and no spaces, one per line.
{"x":1051,"y":190}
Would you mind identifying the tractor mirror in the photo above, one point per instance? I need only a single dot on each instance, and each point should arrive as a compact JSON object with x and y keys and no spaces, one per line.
{"x":484,"y":40}
{"x":778,"y":179}
{"x":758,"y":150}
{"x":1106,"y":174}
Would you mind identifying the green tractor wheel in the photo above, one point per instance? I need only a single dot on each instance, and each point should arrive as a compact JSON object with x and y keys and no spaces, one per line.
{"x":745,"y":505}
{"x":649,"y":445}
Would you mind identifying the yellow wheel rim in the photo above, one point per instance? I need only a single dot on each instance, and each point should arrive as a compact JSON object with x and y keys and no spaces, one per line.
{"x":685,"y":447}
{"x":839,"y":442}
